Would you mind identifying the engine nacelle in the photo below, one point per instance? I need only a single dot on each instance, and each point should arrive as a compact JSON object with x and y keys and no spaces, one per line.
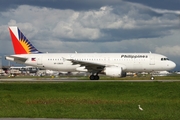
{"x":114,"y":72}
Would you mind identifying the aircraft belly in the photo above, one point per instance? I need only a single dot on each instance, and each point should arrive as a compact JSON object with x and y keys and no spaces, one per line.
{"x":63,"y":67}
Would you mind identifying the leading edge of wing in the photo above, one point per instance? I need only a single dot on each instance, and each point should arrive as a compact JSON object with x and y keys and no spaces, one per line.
{"x":90,"y":66}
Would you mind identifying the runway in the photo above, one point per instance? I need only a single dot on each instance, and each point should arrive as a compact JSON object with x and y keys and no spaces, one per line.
{"x":76,"y":80}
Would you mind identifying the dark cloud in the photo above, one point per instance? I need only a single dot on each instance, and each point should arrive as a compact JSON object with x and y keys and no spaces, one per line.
{"x":87,"y":4}
{"x":161,"y":4}
{"x":59,"y":4}
{"x":128,"y":34}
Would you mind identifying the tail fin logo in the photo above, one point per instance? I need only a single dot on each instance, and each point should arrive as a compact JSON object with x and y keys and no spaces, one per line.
{"x":29,"y":48}
{"x":21,"y":44}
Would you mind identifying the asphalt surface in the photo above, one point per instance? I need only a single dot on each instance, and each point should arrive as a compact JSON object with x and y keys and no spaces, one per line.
{"x":75,"y":80}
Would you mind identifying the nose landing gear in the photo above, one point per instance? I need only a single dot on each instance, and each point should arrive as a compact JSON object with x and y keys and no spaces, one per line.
{"x":152,"y":77}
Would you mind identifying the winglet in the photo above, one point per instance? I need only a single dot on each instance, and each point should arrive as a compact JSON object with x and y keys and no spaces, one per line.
{"x":20,"y":43}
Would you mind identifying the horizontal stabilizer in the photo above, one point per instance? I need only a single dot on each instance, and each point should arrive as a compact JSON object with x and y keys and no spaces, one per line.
{"x":15,"y":58}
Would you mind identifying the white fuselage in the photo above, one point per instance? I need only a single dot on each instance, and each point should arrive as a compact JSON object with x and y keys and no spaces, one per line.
{"x":130,"y":62}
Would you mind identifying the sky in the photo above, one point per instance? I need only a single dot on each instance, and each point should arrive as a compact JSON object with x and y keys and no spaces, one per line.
{"x":110,"y":26}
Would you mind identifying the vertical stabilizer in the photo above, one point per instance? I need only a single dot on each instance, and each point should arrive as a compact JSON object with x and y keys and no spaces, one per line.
{"x":20,"y":43}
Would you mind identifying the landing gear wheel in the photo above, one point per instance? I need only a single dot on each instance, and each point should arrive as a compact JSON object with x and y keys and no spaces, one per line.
{"x":94,"y":77}
{"x":152,"y":77}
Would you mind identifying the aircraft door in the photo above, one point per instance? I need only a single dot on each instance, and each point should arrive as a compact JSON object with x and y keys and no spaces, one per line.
{"x":39,"y":60}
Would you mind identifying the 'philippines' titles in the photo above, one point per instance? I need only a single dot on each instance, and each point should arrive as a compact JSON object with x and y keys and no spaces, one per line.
{"x":134,"y":56}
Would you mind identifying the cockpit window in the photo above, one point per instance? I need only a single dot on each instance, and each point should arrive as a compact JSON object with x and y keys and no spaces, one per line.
{"x":164,"y":59}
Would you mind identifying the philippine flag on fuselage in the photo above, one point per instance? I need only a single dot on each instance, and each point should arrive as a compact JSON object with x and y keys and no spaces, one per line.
{"x":33,"y":59}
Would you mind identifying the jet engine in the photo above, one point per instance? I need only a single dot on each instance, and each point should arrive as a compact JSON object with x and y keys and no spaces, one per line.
{"x":114,"y":72}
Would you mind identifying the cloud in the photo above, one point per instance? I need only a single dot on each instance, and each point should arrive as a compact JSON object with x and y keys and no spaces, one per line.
{"x":161,"y":4}
{"x":169,"y":50}
{"x":108,"y":23}
{"x":164,"y":11}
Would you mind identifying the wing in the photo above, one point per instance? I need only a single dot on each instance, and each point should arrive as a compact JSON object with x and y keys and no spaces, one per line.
{"x":90,"y":66}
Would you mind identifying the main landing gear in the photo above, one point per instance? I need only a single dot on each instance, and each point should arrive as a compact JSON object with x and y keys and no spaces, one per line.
{"x":94,"y":77}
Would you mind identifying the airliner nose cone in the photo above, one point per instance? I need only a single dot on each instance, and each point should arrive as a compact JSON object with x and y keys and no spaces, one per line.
{"x":172,"y":65}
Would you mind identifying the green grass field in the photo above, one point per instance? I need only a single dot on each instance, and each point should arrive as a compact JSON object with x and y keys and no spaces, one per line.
{"x":91,"y":100}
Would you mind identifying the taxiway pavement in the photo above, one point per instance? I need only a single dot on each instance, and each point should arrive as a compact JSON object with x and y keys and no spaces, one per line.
{"x":76,"y":80}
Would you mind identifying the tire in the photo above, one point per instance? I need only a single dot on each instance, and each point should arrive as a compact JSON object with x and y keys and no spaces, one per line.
{"x":96,"y":77}
{"x":92,"y":77}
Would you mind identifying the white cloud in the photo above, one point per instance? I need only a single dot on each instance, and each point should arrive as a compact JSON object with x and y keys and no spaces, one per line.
{"x":166,"y":11}
{"x":68,"y":25}
{"x":169,"y":50}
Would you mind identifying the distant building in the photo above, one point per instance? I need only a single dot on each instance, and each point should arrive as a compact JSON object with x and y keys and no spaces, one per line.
{"x":22,"y":70}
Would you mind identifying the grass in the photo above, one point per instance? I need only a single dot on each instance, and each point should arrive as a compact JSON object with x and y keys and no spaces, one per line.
{"x":91,"y":100}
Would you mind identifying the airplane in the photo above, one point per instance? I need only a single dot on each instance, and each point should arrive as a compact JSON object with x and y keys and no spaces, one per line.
{"x":110,"y":64}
